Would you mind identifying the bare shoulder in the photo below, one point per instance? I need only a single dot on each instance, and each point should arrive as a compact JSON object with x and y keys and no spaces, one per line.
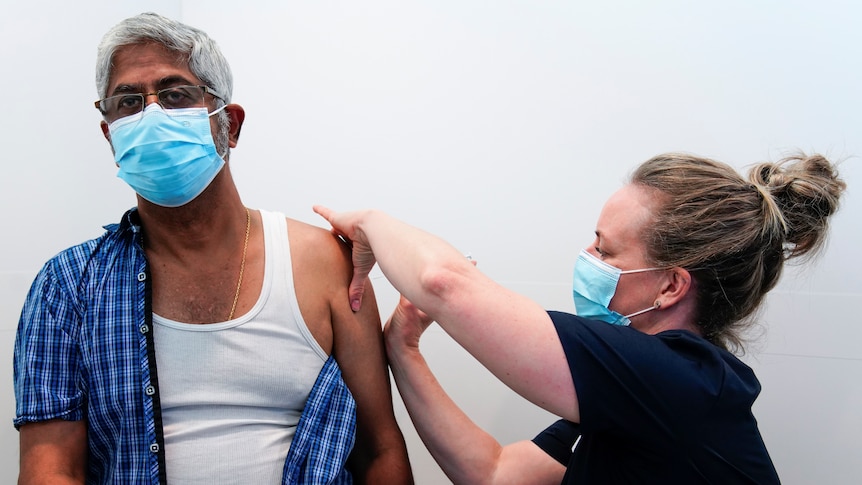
{"x":314,"y":244}
{"x":321,"y":273}
{"x":323,"y":267}
{"x":323,"y":262}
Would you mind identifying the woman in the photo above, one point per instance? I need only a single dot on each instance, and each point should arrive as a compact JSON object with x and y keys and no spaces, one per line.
{"x":683,"y":256}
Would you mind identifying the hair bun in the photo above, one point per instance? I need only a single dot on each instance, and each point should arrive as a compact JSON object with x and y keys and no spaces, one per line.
{"x":806,"y":191}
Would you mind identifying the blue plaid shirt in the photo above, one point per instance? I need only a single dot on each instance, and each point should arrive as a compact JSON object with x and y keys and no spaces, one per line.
{"x":325,"y":433}
{"x":84,"y":350}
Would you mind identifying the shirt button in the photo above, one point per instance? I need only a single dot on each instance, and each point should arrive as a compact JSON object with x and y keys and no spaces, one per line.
{"x":142,"y":276}
{"x":150,"y":390}
{"x":144,"y":328}
{"x":154,"y":448}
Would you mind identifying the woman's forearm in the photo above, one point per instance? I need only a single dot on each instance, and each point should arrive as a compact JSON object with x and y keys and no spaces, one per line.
{"x":465,"y":452}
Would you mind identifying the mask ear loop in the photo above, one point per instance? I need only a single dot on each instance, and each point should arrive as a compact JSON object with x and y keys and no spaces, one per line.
{"x":643,"y":270}
{"x":655,"y":306}
{"x":657,"y":303}
{"x":217,"y":110}
{"x":209,"y":115}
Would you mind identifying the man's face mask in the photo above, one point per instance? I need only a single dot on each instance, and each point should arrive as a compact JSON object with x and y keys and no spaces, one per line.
{"x":167,"y":156}
{"x":594,"y":285}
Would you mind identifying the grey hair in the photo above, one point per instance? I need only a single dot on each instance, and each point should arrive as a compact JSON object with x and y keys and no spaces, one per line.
{"x":204,"y":56}
{"x":205,"y":59}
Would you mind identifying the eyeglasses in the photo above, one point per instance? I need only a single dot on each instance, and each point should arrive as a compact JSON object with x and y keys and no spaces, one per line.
{"x":122,"y":105}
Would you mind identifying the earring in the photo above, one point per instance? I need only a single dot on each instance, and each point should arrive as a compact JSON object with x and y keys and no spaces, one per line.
{"x":657,"y":304}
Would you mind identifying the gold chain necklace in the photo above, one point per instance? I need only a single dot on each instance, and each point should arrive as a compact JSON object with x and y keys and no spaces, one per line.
{"x":242,"y":264}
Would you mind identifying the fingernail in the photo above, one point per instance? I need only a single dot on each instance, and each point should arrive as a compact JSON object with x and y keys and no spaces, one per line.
{"x":354,"y":305}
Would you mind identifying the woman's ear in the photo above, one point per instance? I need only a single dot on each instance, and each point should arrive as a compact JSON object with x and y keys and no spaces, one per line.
{"x":677,"y":284}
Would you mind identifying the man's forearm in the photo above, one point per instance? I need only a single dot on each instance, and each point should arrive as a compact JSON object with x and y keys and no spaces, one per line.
{"x":53,"y":452}
{"x":390,"y":466}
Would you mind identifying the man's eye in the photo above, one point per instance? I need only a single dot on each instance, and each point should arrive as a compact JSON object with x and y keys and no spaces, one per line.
{"x":131,"y":102}
{"x":177,"y":98}
{"x":599,"y":250}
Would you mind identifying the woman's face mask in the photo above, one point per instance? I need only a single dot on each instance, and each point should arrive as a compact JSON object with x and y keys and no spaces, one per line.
{"x":594,"y":285}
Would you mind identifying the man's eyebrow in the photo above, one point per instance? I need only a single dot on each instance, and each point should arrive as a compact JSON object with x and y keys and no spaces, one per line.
{"x":165,"y":82}
{"x":175,"y":80}
{"x":127,"y":88}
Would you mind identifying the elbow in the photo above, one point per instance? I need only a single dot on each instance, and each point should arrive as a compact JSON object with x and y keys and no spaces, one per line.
{"x":439,"y":282}
{"x":443,"y":288}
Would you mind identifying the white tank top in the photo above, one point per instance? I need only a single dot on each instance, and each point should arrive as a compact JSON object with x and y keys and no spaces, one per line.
{"x":232,"y":392}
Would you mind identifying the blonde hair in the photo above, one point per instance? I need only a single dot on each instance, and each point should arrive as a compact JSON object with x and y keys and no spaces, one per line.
{"x":733,"y":235}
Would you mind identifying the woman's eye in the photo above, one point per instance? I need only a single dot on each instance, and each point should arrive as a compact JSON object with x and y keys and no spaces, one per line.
{"x":599,"y":250}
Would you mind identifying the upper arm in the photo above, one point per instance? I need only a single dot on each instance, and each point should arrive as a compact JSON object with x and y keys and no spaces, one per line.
{"x":525,"y":463}
{"x":323,"y":271}
{"x":53,"y":452}
{"x":358,"y":348}
{"x":46,"y":353}
{"x":355,"y":339}
{"x":510,"y":334}
{"x":47,"y":356}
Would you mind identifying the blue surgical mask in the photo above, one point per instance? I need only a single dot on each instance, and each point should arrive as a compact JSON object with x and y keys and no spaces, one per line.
{"x":167,"y":156}
{"x":594,"y":285}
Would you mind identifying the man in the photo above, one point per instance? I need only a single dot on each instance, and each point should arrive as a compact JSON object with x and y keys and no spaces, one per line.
{"x":184,"y":344}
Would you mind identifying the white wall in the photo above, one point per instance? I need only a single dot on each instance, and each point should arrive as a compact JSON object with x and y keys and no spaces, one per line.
{"x":502,"y":126}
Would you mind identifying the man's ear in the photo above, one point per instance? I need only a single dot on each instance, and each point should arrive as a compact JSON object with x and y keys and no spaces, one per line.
{"x":236,"y":113}
{"x":107,"y":134}
{"x":676,"y":285}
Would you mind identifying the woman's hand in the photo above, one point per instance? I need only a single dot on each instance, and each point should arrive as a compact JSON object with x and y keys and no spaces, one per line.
{"x":405,"y":326}
{"x":347,"y":226}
